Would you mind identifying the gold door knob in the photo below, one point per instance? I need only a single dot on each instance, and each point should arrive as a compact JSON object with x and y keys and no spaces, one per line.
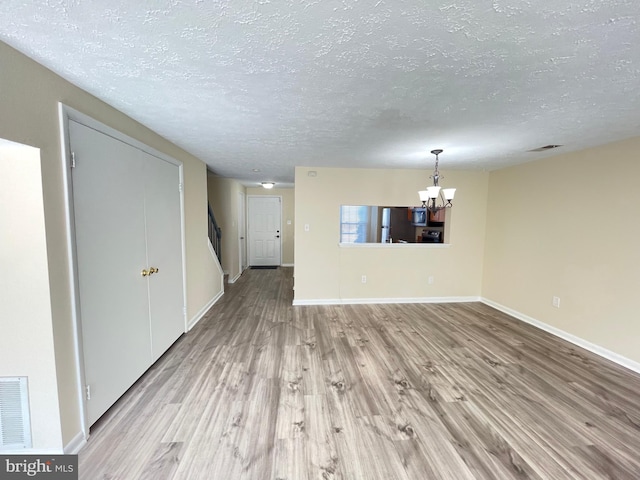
{"x":153,"y":270}
{"x":145,"y":273}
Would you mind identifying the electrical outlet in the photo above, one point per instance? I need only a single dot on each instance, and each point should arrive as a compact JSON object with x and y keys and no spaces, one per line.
{"x":430,"y":280}
{"x":364,"y":279}
{"x":556,"y":302}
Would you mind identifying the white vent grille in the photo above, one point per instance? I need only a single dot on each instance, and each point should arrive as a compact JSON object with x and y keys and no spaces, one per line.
{"x":15,"y":428}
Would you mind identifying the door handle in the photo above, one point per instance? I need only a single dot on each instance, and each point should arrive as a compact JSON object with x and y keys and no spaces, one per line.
{"x":151,"y":271}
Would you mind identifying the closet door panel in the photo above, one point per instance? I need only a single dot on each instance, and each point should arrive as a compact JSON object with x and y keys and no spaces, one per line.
{"x":108,"y":194}
{"x":164,"y":252}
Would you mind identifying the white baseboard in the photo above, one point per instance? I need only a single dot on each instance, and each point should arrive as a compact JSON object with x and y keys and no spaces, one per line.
{"x":235,"y":279}
{"x":580,"y":342}
{"x":287,"y":265}
{"x":318,"y":301}
{"x":198,"y":316}
{"x":74,"y":446}
{"x":362,"y":301}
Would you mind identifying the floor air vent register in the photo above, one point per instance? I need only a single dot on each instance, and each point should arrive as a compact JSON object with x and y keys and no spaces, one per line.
{"x":15,"y":428}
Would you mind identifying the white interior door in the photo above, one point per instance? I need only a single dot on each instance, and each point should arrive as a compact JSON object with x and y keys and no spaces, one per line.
{"x":264,"y":230}
{"x":164,"y":252}
{"x":242,"y":231}
{"x":111,"y":252}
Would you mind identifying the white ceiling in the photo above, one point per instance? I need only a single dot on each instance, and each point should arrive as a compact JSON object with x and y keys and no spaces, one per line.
{"x":269,"y":85}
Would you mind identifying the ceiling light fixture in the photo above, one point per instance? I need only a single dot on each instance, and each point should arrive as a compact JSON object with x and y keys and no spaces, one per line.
{"x":433,"y":192}
{"x":268,"y":185}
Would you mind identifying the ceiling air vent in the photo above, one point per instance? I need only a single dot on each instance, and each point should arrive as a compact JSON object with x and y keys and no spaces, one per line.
{"x":546,"y":147}
{"x":15,"y":428}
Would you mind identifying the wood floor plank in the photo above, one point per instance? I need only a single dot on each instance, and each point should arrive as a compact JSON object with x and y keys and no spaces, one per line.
{"x":313,"y":375}
{"x":290,"y":460}
{"x":322,"y":456}
{"x":364,"y":400}
{"x":437,"y":445}
{"x":290,"y":417}
{"x":260,"y":389}
{"x":483,"y":449}
{"x":163,"y":462}
{"x":381,"y":460}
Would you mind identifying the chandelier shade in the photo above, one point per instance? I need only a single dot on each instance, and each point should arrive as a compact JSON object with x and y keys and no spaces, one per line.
{"x":432,"y":192}
{"x":448,"y":193}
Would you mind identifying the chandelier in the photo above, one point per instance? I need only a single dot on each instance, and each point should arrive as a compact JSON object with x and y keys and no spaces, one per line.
{"x":429,"y":196}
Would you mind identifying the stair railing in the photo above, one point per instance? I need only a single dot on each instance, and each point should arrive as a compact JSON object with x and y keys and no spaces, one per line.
{"x":215,"y":235}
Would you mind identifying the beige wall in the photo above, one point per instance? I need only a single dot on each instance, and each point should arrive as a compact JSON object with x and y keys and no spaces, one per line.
{"x":557,"y":227}
{"x":205,"y":281}
{"x":29,"y":102}
{"x":25,"y":308}
{"x":223,"y":198}
{"x":288,"y":214}
{"x":325,"y":271}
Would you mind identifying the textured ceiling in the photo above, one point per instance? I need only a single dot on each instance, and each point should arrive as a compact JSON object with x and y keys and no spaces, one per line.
{"x":269,"y":85}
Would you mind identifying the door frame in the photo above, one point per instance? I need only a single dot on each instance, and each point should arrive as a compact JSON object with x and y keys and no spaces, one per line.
{"x":249,"y":227}
{"x":66,"y":113}
{"x":242,"y":223}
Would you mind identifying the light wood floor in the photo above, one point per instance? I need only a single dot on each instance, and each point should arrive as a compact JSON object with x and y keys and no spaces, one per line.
{"x":263,"y":390}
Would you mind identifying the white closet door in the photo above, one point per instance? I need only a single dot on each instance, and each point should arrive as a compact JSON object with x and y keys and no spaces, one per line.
{"x":164,"y":252}
{"x":108,"y":192}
